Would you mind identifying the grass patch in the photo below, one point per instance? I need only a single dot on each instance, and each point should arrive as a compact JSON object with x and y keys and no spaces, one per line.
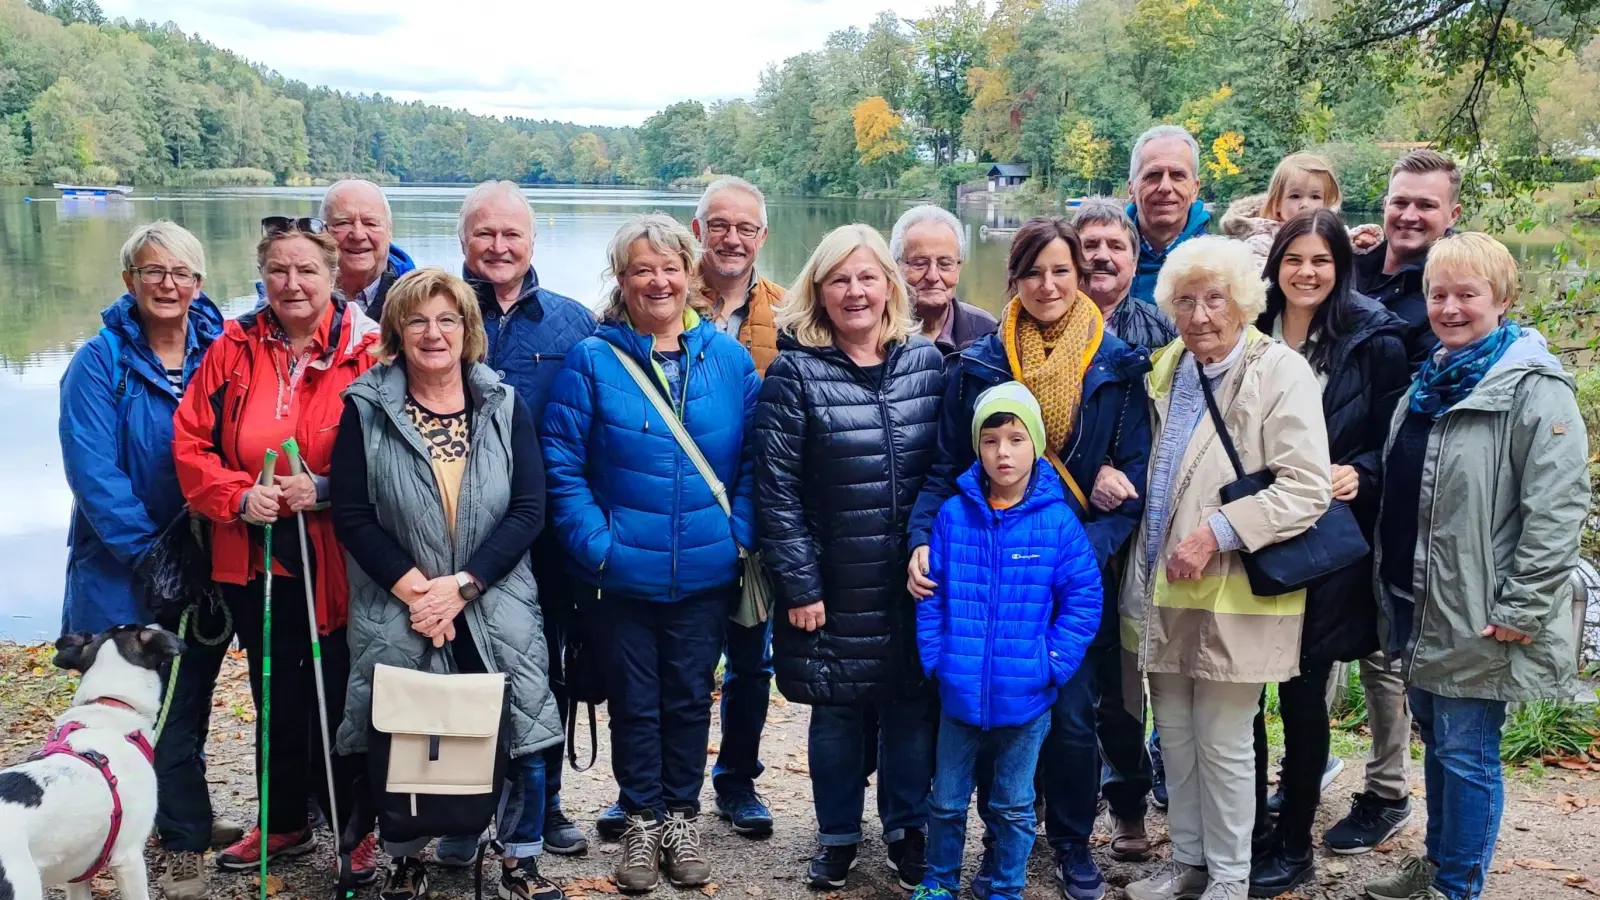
{"x":1545,"y":728}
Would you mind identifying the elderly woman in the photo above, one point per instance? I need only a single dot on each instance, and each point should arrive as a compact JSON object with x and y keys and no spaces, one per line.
{"x":1207,"y":643}
{"x":845,"y":435}
{"x":929,"y":245}
{"x":644,"y":524}
{"x":438,"y":491}
{"x":1089,"y":385}
{"x":278,"y":372}
{"x":1477,"y":566}
{"x":117,"y":402}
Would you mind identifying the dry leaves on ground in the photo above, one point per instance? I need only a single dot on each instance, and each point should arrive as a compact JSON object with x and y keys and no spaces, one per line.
{"x":1543,"y":865}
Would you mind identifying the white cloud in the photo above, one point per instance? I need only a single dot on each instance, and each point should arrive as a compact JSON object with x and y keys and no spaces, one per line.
{"x":602,"y":62}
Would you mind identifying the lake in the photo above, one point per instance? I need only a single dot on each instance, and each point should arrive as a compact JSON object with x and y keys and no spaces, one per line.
{"x":58,"y":269}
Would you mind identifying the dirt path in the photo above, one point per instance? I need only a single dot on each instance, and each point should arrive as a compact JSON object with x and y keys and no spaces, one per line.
{"x":1548,"y":846}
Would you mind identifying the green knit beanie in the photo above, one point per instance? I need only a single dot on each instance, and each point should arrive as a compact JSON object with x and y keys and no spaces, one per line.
{"x":1012,"y":397}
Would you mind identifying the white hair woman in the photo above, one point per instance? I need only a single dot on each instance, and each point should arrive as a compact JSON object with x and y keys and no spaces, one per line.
{"x":1206,"y":642}
{"x":845,"y":434}
{"x":644,"y":525}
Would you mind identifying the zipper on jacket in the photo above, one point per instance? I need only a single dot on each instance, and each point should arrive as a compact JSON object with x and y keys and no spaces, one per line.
{"x":994,"y":598}
{"x":1419,"y":610}
{"x":888,"y":440}
{"x":677,"y":482}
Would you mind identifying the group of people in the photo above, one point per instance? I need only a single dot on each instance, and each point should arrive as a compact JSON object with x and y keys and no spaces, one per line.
{"x":981,"y":536}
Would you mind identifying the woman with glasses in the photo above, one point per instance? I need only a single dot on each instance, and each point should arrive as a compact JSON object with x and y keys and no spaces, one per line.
{"x":438,"y":491}
{"x":279,"y":372}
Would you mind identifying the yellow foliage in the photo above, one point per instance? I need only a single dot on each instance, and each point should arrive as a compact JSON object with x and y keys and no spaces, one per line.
{"x":878,"y":133}
{"x":1083,"y":154}
{"x":1224,"y":150}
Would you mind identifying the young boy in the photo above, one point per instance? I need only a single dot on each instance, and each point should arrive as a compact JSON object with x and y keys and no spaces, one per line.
{"x":1017,"y":604}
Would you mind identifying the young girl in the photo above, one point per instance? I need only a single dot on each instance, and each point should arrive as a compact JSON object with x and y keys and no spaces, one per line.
{"x":1302,"y":181}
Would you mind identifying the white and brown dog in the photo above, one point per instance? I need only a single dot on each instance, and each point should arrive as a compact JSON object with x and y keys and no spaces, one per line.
{"x":87,"y":800}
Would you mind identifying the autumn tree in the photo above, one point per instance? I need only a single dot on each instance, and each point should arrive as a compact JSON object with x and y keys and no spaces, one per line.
{"x":589,"y":162}
{"x":879,"y":138}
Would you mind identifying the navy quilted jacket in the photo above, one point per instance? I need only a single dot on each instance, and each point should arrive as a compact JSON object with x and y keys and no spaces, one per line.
{"x":529,"y":344}
{"x":1018,"y":602}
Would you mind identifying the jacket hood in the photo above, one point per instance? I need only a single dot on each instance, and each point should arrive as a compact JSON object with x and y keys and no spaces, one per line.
{"x":350,"y":327}
{"x":1164,"y":365}
{"x":1199,"y":218}
{"x":1372,"y":319}
{"x":1044,"y":486}
{"x":1243,"y":218}
{"x":696,"y":333}
{"x":205,"y":320}
{"x":400,"y":262}
{"x":1527,"y":356}
{"x":485,"y":289}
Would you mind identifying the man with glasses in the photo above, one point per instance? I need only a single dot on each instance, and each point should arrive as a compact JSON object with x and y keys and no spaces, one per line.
{"x":731,"y":224}
{"x":358,"y":215}
{"x":929,"y":245}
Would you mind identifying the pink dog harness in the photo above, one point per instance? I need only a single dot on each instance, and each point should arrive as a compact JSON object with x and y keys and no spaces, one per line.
{"x":57,"y":744}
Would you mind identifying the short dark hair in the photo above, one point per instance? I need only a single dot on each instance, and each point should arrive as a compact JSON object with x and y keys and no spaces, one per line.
{"x":1036,"y":234}
{"x":998,"y":419}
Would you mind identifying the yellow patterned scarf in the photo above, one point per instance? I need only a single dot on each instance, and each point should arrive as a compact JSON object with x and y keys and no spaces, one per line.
{"x":1050,"y":360}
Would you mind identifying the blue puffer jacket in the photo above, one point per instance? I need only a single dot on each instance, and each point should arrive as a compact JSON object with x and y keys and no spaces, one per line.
{"x":116,"y":448}
{"x":1017,"y":605}
{"x":529,"y":344}
{"x":626,"y":501}
{"x":1150,"y":261}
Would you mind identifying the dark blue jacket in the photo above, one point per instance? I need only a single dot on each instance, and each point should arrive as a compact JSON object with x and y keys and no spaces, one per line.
{"x":116,"y":448}
{"x":529,"y":344}
{"x":1150,"y":260}
{"x":626,"y":501}
{"x":1113,"y":428}
{"x":400,"y":262}
{"x":1018,"y":602}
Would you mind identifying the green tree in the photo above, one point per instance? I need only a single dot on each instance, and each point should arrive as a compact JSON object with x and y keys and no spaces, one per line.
{"x":949,"y":42}
{"x":590,"y":165}
{"x":673,"y":141}
{"x":63,"y":135}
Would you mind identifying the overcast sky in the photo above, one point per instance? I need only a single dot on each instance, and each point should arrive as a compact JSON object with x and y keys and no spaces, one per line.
{"x":595,"y":62}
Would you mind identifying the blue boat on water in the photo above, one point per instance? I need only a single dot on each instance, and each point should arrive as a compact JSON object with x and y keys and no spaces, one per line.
{"x":99,"y":192}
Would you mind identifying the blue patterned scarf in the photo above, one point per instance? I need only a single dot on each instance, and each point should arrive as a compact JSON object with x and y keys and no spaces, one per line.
{"x":1447,"y":378}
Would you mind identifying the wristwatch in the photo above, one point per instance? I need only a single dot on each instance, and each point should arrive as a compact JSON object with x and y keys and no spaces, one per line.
{"x":470,"y":590}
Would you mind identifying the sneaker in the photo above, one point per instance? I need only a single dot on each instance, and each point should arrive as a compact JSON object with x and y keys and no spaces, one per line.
{"x":245,"y":854}
{"x":225,"y":832}
{"x":459,"y":852}
{"x":1080,"y":878}
{"x":1331,"y":770}
{"x":1226,"y":890}
{"x":748,"y":815}
{"x":1173,"y":881}
{"x":364,"y":861}
{"x":1281,"y":871}
{"x":925,"y":892}
{"x":1372,"y":820}
{"x":562,"y":836}
{"x":1158,"y":776}
{"x":1275,"y":802}
{"x":983,"y":879}
{"x":612,"y":823}
{"x":639,"y":868}
{"x":523,"y":882}
{"x":184,"y":877}
{"x":830,"y":866}
{"x":908,"y":859}
{"x":1414,"y":877}
{"x":405,"y":879}
{"x":1129,"y":842}
{"x":681,"y":853}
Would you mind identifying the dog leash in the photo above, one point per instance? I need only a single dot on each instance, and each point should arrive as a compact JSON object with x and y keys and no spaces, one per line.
{"x":172,"y":676}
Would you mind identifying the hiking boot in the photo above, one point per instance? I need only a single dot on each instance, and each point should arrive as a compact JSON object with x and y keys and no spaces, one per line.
{"x":524,"y":882}
{"x":681,"y":854}
{"x":830,"y":866}
{"x":983,"y":879}
{"x":1372,"y":820}
{"x":1173,"y":881}
{"x":1158,"y":776}
{"x":612,"y":823}
{"x":225,"y":832}
{"x":245,"y":854}
{"x":1129,"y":843}
{"x":745,"y":811}
{"x":1281,"y":871}
{"x":1080,"y":878}
{"x":1414,"y":877}
{"x":1429,"y":893}
{"x":458,"y":852}
{"x":364,"y":860}
{"x":908,"y":859}
{"x":405,"y":879}
{"x":639,"y":868}
{"x":185,"y":876}
{"x":1226,"y":890}
{"x":562,"y":836}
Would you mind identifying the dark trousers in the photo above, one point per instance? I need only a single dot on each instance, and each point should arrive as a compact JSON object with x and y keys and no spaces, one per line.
{"x":1303,"y":704}
{"x":746,"y":687}
{"x":1125,"y":773}
{"x":295,"y":771}
{"x":661,"y":663}
{"x":183,"y":800}
{"x":559,"y":599}
{"x":836,"y":747}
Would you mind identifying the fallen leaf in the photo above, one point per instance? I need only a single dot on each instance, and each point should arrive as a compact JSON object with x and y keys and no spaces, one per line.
{"x":1576,"y":879}
{"x":798,"y":768}
{"x":274,"y":884}
{"x":601,"y":885}
{"x":1503,"y":867}
{"x":1570,"y":803}
{"x":1541,"y":864}
{"x":1336,"y":868}
{"x":711,"y":889}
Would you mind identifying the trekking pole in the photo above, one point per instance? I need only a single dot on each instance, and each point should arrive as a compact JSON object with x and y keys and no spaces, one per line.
{"x":268,"y":467}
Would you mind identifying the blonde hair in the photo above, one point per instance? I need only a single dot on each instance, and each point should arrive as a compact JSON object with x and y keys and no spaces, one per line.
{"x":802,"y":313}
{"x":1300,"y":164}
{"x":663,"y":234}
{"x":1225,"y":260}
{"x":1474,"y":253}
{"x":416,"y":288}
{"x":169,"y":236}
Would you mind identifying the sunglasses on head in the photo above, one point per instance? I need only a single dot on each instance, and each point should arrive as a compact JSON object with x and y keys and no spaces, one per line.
{"x":276,"y":225}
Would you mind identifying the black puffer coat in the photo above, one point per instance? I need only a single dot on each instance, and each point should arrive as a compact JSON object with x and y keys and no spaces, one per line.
{"x":840,"y":458}
{"x":1367,"y":374}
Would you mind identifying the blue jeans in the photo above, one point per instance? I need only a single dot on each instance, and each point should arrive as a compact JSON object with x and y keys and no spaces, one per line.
{"x":1465,"y":794}
{"x":746,"y":686}
{"x":1009,"y":811}
{"x":519,"y":821}
{"x":1070,"y":751}
{"x":836,"y":749}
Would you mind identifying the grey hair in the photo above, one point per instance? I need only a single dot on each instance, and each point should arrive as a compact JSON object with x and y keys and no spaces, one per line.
{"x":337,"y":186}
{"x":1136,"y":159}
{"x":917,"y":215}
{"x":169,"y":236}
{"x":1105,"y":211}
{"x":663,"y":234}
{"x":729,"y":183}
{"x":482,"y":192}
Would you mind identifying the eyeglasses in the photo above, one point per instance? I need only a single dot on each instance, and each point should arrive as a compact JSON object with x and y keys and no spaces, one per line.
{"x":272,"y":226}
{"x":916,"y":267}
{"x":1185,"y":306}
{"x":717,"y":228}
{"x":156,"y":275}
{"x":449,"y":323}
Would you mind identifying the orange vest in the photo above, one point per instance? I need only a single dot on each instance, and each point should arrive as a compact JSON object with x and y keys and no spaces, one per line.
{"x":759,"y":332}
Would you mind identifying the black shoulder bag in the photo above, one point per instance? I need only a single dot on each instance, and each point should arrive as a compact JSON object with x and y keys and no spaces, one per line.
{"x":1332,"y":543}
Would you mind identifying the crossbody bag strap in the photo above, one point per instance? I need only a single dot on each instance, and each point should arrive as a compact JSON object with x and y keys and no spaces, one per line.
{"x":648,"y":387}
{"x":1216,"y":419}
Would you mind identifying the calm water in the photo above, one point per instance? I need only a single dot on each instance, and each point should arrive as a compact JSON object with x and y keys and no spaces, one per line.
{"x":58,"y":269}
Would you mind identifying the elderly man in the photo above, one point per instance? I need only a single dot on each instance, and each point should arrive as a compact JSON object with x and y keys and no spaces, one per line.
{"x":930,"y":245}
{"x":358,"y":215}
{"x":1163,"y":180}
{"x":1110,"y":254}
{"x":730,"y":222}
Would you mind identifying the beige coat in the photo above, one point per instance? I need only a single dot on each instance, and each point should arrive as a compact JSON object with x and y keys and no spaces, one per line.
{"x":1215,"y":628}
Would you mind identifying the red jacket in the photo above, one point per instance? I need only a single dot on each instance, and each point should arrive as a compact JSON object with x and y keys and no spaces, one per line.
{"x":206,"y":438}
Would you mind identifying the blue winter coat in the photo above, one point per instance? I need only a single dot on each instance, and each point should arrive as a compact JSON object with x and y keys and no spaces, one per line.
{"x":116,"y":448}
{"x":1017,"y":604}
{"x":626,"y":501}
{"x":529,"y":344}
{"x":1150,"y":261}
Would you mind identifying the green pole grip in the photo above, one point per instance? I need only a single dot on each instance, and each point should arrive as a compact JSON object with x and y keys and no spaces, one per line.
{"x":291,"y":449}
{"x":269,"y":468}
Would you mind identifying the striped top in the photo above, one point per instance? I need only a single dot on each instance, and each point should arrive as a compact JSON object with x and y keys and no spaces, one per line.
{"x":175,"y":378}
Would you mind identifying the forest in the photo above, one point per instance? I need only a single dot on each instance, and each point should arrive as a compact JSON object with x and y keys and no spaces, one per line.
{"x":897,"y":107}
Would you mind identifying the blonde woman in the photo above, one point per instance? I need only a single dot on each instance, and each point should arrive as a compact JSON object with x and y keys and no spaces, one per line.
{"x":643,"y":525}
